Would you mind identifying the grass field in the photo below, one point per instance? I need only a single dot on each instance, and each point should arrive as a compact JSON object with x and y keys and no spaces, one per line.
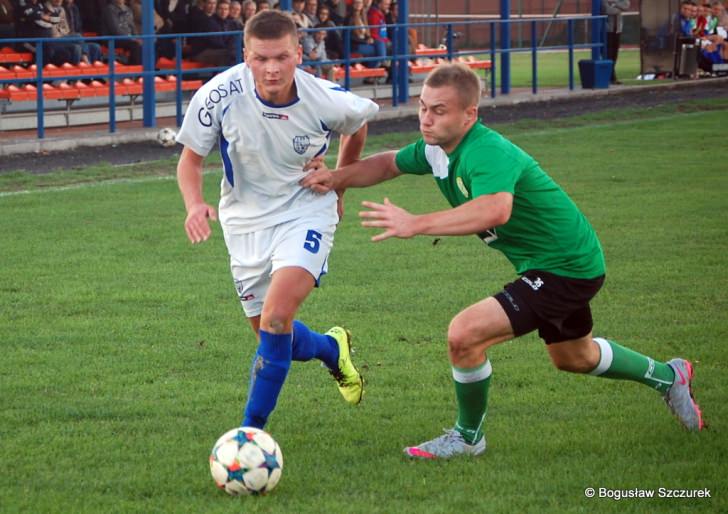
{"x":125,"y":354}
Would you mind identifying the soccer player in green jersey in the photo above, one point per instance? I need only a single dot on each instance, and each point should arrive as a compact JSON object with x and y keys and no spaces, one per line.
{"x":500,"y":193}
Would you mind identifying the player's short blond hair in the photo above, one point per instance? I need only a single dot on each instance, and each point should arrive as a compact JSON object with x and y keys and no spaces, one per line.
{"x":270,"y":24}
{"x":463,"y":79}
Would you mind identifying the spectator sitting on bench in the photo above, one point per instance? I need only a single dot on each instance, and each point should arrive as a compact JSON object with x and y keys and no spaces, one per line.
{"x":334,"y":45}
{"x":314,"y":49}
{"x":235,"y":18}
{"x":212,"y":50}
{"x":362,"y":41}
{"x":90,"y":49}
{"x":86,"y":52}
{"x":263,"y":5}
{"x":310,"y":9}
{"x":118,"y":20}
{"x":36,"y":22}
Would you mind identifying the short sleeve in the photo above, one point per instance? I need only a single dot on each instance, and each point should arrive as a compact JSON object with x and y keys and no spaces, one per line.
{"x":411,"y":159}
{"x":201,"y":125}
{"x":496,"y":173}
{"x":348,"y":112}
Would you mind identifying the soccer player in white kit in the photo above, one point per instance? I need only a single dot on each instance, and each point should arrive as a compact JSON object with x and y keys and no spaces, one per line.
{"x":269,"y":119}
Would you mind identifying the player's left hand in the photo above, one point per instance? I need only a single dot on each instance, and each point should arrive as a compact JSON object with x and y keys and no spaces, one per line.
{"x":395,"y":221}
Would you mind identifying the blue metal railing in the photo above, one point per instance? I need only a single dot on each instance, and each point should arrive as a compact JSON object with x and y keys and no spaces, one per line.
{"x":399,"y":59}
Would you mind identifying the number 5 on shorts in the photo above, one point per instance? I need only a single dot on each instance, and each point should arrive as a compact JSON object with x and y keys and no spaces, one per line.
{"x":313,"y":241}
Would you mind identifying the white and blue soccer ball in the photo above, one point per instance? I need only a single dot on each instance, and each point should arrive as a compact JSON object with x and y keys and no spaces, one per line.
{"x":246,"y":460}
{"x":166,"y":137}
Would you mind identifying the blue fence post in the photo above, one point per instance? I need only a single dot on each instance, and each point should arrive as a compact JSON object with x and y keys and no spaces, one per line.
{"x":596,"y":31}
{"x":112,"y":97}
{"x":394,"y":67}
{"x":180,"y":77}
{"x":39,"y":90}
{"x":238,"y":47}
{"x":534,"y":64}
{"x":403,"y":22}
{"x":505,"y":10}
{"x":492,"y":59}
{"x":285,"y":5}
{"x":449,"y":41}
{"x":347,"y":58}
{"x":148,"y":62}
{"x":570,"y":36}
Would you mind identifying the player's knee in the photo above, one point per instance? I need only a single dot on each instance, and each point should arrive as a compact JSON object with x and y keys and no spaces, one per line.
{"x":277,"y":321}
{"x":459,"y":340}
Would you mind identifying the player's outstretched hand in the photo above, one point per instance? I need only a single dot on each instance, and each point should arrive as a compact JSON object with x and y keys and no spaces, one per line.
{"x":319,"y":178}
{"x":196,"y":224}
{"x":395,"y":221}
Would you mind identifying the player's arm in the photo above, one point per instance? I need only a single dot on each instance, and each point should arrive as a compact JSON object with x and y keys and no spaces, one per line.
{"x":367,"y":172}
{"x":189,"y":179}
{"x":473,"y":217}
{"x":350,"y":147}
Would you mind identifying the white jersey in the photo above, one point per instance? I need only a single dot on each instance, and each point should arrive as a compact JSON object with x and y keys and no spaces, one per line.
{"x":264,"y":147}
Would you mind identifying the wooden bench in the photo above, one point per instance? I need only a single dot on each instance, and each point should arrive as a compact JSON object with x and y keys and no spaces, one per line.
{"x":359,"y":71}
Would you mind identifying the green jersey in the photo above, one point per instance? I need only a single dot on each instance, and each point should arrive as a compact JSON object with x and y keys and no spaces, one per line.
{"x":546,"y":230}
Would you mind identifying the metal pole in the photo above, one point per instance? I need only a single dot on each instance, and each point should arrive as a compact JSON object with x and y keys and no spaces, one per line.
{"x":112,"y":91}
{"x":39,"y":90}
{"x":570,"y":35}
{"x":403,"y":46}
{"x":534,"y":70}
{"x":505,"y":44}
{"x":180,"y":77}
{"x":148,"y":63}
{"x":596,"y":30}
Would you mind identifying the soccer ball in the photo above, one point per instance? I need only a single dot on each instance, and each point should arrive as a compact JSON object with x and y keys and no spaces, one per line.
{"x":246,"y":460}
{"x":165,"y":137}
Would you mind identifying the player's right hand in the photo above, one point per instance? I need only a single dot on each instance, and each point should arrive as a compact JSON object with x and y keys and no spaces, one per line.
{"x":196,"y":224}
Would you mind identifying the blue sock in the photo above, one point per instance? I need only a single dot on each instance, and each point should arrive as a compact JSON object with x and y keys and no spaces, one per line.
{"x":308,"y":345}
{"x":270,"y":367}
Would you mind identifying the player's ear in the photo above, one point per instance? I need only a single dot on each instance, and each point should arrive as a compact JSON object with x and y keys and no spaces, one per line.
{"x":471,"y":113}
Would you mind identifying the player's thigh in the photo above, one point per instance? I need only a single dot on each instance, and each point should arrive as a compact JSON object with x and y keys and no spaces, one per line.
{"x":482,"y":324}
{"x":250,"y":266}
{"x":298,"y":261}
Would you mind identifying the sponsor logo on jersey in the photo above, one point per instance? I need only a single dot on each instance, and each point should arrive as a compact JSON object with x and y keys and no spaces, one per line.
{"x":301,"y":144}
{"x":214,"y":97}
{"x":461,"y":187}
{"x":534,"y":284}
{"x":275,"y":116}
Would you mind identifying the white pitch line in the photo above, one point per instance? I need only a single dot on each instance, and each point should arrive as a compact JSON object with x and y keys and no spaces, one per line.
{"x":534,"y":133}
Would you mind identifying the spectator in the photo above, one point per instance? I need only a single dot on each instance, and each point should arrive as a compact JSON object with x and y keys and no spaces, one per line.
{"x":249,"y":10}
{"x":686,"y":21}
{"x":314,"y":49}
{"x":614,"y":9}
{"x":310,"y":9}
{"x":236,"y":15}
{"x":334,"y":45}
{"x":213,"y":50}
{"x":136,"y":9}
{"x":361,"y":39}
{"x":377,"y":18}
{"x":37,"y":22}
{"x":118,"y":20}
{"x":83,"y":51}
{"x":263,"y":5}
{"x":701,"y":21}
{"x":337,"y":11}
{"x":175,"y":14}
{"x":719,"y":13}
{"x":391,"y":19}
{"x":298,"y":14}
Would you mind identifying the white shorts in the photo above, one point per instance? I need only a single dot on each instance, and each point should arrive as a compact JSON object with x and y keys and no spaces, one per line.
{"x":305,"y":243}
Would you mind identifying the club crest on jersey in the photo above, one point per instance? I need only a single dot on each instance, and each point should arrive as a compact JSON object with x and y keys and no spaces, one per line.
{"x":301,"y":144}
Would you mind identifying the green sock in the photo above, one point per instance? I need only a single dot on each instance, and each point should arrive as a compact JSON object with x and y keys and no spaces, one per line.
{"x":471,"y":390}
{"x":622,"y":363}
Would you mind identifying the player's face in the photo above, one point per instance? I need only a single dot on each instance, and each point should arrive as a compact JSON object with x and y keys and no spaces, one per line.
{"x":443,"y":120}
{"x":273,"y":64}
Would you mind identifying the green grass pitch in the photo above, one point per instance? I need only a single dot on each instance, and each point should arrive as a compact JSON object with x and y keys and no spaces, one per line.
{"x":125,"y":354}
